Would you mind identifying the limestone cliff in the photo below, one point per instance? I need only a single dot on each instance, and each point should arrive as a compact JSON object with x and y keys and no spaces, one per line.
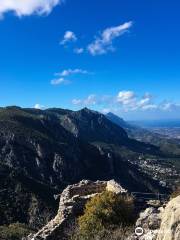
{"x":170,"y":225}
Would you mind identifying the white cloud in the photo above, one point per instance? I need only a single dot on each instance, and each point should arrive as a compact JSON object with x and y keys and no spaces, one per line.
{"x":93,"y":100}
{"x":104,"y":42}
{"x":146,"y":99}
{"x":69,"y":36}
{"x":38,"y":106}
{"x":89,"y":101}
{"x":76,"y":101}
{"x":131,"y":102}
{"x":61,"y":77}
{"x":68,"y":72}
{"x":79,"y":50}
{"x":128,"y":102}
{"x":27,"y":7}
{"x":126,"y":97}
{"x":149,"y":107}
{"x":59,"y":81}
{"x":170,"y":106}
{"x":167,"y":106}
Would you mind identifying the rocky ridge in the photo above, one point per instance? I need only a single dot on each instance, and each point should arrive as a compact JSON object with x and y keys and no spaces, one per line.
{"x":72,"y":202}
{"x":158,"y":221}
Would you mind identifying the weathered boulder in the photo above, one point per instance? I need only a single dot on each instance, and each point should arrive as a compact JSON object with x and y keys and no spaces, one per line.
{"x":72,"y":202}
{"x":161,"y":223}
{"x":149,"y":220}
{"x":170,"y":225}
{"x":113,"y":186}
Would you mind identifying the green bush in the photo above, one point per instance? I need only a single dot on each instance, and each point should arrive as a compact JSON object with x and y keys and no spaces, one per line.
{"x":14,"y":231}
{"x":104,"y":214}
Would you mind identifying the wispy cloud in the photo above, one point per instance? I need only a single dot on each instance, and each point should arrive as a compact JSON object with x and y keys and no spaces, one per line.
{"x":89,"y":101}
{"x":93,"y":99}
{"x":61,"y":77}
{"x":69,"y":36}
{"x":170,"y":106}
{"x":68,"y":72}
{"x":79,"y":50}
{"x":104,"y":43}
{"x":76,"y":101}
{"x":27,"y":7}
{"x":59,"y":81}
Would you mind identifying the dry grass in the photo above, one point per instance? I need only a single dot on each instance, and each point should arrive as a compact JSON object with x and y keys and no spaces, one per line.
{"x":176,"y":193}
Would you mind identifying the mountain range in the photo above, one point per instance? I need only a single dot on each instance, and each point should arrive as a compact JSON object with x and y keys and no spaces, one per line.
{"x":43,"y":151}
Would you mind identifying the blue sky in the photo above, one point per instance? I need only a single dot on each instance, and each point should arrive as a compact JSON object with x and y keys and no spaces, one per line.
{"x":108,"y":55}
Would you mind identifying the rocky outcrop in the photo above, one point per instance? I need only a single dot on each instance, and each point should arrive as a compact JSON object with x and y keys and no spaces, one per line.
{"x":72,"y":202}
{"x":149,"y":221}
{"x":170,"y":225}
{"x":161,"y":223}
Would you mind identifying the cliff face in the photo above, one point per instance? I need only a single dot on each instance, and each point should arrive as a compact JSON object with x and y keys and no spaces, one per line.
{"x":22,"y":199}
{"x":170,"y":224}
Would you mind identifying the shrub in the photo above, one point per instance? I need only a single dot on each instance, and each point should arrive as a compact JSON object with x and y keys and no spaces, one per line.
{"x":105,"y":213}
{"x":14,"y":231}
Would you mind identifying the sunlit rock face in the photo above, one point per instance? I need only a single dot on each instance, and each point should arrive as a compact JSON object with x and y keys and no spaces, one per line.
{"x":161,"y":223}
{"x":170,"y":225}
